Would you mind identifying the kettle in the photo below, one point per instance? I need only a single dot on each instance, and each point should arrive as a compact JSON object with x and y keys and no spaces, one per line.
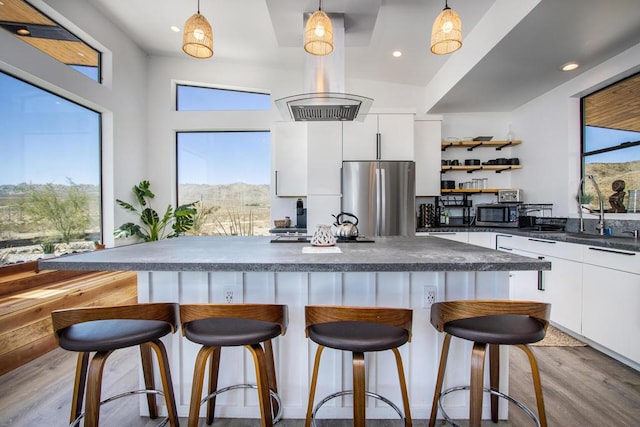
{"x":346,"y":228}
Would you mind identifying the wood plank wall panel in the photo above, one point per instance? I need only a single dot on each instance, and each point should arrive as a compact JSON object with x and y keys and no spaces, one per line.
{"x":26,"y":331}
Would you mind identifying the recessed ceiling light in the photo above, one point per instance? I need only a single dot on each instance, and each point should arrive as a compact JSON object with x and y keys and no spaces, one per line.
{"x":397,"y":53}
{"x":23,"y":31}
{"x":175,"y":29}
{"x":570,"y":66}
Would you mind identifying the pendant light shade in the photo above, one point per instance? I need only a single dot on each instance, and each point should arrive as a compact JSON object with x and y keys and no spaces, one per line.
{"x":318,"y":34}
{"x":446,"y":35}
{"x":197,"y":40}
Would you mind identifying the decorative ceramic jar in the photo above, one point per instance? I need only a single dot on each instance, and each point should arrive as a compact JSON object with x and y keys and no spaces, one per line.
{"x":323,"y":236}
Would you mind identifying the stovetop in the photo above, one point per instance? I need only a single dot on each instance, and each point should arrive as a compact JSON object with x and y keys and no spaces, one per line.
{"x":307,"y":239}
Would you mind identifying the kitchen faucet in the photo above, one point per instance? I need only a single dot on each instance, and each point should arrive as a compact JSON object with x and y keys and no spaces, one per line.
{"x":600,"y":204}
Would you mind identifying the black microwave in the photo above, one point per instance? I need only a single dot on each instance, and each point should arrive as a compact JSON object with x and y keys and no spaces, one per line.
{"x":497,"y":215}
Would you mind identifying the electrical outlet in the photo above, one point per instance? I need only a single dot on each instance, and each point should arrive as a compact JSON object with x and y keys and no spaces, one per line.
{"x":228,"y":295}
{"x":430,"y":293}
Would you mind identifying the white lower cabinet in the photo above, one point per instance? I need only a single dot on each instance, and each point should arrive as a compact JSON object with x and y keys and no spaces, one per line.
{"x":610,"y":314}
{"x":593,"y":291}
{"x":561,"y":286}
{"x":460,"y":236}
{"x":481,"y":238}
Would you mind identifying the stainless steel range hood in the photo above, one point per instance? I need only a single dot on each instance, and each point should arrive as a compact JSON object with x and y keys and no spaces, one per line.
{"x":325,"y":99}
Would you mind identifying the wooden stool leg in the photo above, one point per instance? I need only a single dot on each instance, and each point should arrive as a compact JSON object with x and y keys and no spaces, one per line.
{"x":262,"y":378}
{"x":314,"y":383}
{"x":79,"y":385}
{"x":403,"y":388}
{"x":167,"y":383}
{"x":537,"y":384}
{"x":214,"y":368}
{"x":94,"y":388}
{"x":494,"y":378}
{"x":196,"y":386}
{"x":149,"y":382}
{"x":440,"y":379}
{"x":359,"y":397}
{"x":271,"y":372}
{"x":477,"y":382}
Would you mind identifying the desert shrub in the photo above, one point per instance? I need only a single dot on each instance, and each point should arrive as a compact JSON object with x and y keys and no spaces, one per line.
{"x":65,"y":208}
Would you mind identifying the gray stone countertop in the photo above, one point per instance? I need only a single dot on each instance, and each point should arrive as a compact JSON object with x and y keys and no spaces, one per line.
{"x":206,"y":253}
{"x":611,"y":242}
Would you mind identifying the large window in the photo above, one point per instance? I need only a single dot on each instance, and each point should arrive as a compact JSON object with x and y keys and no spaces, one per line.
{"x":197,"y":98}
{"x":228,"y":173}
{"x":49,"y":173}
{"x":611,"y":146}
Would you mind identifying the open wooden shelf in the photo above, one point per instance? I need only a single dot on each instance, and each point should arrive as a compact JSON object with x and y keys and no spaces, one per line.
{"x":469,"y":191}
{"x":470,"y":145}
{"x":470,"y":169}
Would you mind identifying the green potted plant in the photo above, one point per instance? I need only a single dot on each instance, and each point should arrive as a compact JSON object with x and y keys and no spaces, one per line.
{"x":97,"y":244}
{"x":152,"y":226}
{"x":48,"y":249}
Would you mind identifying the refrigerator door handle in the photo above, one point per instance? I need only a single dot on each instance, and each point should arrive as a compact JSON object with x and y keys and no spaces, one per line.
{"x":378,"y":203}
{"x":382,"y":219}
{"x":378,"y":145}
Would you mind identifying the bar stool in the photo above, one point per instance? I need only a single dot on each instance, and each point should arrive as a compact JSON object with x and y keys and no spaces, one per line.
{"x":494,"y":323}
{"x":358,"y":330}
{"x":101,"y":330}
{"x":229,"y":325}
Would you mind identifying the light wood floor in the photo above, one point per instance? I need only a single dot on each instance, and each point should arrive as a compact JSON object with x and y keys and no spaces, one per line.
{"x":582,"y":388}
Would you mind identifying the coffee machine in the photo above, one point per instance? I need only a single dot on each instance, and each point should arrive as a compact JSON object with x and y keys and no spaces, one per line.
{"x":301,"y":215}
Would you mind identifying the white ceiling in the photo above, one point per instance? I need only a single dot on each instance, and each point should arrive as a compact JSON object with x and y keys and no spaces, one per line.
{"x":516,"y":68}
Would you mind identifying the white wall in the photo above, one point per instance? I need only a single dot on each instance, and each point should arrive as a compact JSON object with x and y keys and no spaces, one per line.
{"x":550,"y":129}
{"x":164,"y":121}
{"x":121,"y":99}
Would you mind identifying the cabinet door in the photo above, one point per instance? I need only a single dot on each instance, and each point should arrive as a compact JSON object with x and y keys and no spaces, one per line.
{"x":291,"y":159}
{"x":563,"y":288}
{"x":359,"y":139}
{"x":428,"y":134}
{"x":451,"y":235}
{"x":324,"y":156}
{"x":396,"y":136}
{"x":484,"y":239}
{"x":610,"y":314}
{"x":524,"y":285}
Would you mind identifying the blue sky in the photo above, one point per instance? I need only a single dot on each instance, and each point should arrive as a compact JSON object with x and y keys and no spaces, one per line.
{"x":598,"y":138}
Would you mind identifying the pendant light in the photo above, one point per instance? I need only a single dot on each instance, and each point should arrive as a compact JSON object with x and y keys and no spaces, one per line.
{"x":197,"y":40}
{"x":318,"y":33}
{"x":446,"y":35}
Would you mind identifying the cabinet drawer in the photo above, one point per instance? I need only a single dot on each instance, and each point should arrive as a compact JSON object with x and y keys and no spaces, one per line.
{"x":534,"y":245}
{"x":612,"y":258}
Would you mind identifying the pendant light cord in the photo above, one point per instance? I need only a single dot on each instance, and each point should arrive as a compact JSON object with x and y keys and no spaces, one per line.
{"x":198,"y":6}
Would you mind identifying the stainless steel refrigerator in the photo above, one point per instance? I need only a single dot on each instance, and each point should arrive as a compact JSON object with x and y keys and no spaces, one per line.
{"x":382,"y":195}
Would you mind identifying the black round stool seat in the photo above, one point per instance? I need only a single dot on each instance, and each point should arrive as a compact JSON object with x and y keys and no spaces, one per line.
{"x":112,"y":334}
{"x":508,"y":329}
{"x":358,"y":336}
{"x":228,"y":332}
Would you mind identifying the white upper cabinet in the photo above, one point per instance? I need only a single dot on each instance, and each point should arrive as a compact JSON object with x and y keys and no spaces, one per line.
{"x":290,"y":159}
{"x":379,"y":137}
{"x":428,"y":134}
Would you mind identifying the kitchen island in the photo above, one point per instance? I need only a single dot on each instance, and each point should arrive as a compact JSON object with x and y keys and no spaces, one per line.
{"x":393,"y":271}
